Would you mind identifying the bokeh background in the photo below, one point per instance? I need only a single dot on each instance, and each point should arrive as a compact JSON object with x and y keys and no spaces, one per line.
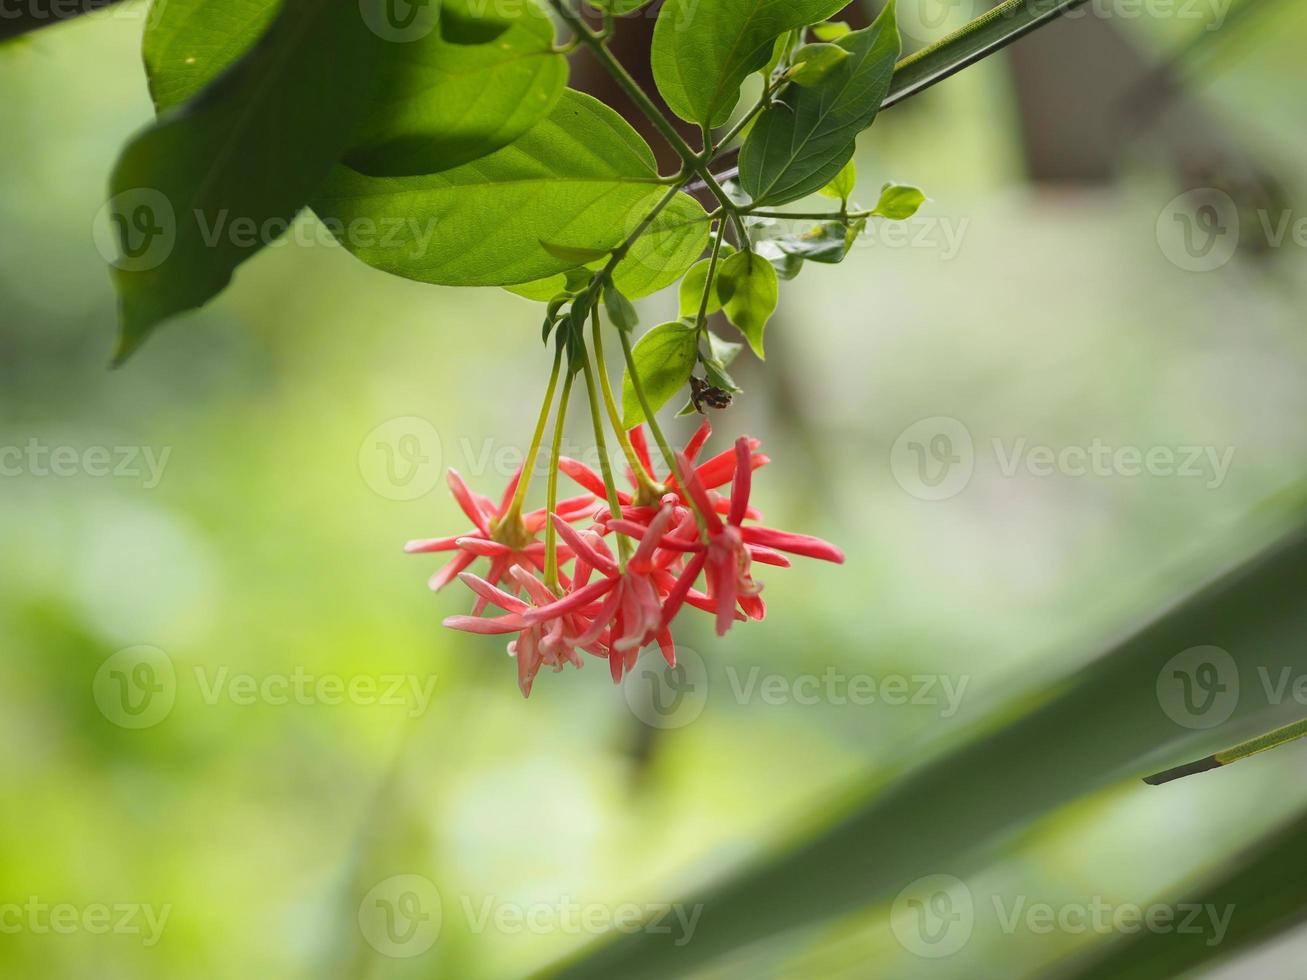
{"x":304,"y":422}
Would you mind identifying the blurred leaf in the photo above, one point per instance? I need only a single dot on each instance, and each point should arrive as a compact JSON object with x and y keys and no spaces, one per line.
{"x":1104,"y":724}
{"x":801,"y":144}
{"x":749,"y":292}
{"x":582,"y":179}
{"x":898,"y":202}
{"x":206,"y":187}
{"x":619,"y":8}
{"x":32,"y":15}
{"x":987,"y":34}
{"x":1264,"y":887}
{"x":664,"y":357}
{"x":703,"y":53}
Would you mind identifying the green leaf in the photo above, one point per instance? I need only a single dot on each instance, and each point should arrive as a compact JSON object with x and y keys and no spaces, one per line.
{"x":1065,"y":745}
{"x":696,"y":281}
{"x":989,"y":33}
{"x":787,"y":266}
{"x":749,"y":292}
{"x":664,"y":358}
{"x":619,"y":8}
{"x":456,"y":85}
{"x":827,"y":242}
{"x":574,"y":255}
{"x":800,"y":145}
{"x":813,"y":62}
{"x":210,"y":184}
{"x":1266,"y":886}
{"x":899,"y":202}
{"x":841,"y":188}
{"x":658,"y":258}
{"x":582,"y":179}
{"x":831,"y":30}
{"x":702,"y":52}
{"x":189,"y":43}
{"x":444,"y":101}
{"x":621,"y":313}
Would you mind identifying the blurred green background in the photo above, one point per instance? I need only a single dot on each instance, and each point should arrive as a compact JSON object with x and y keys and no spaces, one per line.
{"x":308,"y":415}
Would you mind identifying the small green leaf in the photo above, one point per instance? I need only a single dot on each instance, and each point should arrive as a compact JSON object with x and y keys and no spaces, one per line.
{"x":813,"y":62}
{"x":800,"y":144}
{"x":827,"y":241}
{"x":841,"y":188}
{"x":702,"y":53}
{"x":831,"y":30}
{"x":696,"y":281}
{"x":898,"y":202}
{"x":574,"y":254}
{"x":723,"y":351}
{"x":621,"y":313}
{"x":664,"y":358}
{"x":750,"y":292}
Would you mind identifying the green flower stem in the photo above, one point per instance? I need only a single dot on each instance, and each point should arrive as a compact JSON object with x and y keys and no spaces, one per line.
{"x":515,"y":511}
{"x":551,"y":535}
{"x":656,"y":429}
{"x":601,"y":444}
{"x":642,"y":476}
{"x":701,"y":323}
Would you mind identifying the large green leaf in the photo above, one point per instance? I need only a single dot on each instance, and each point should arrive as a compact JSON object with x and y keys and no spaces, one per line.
{"x":749,"y":291}
{"x":459,"y":80}
{"x":581,"y":180}
{"x":658,"y":258}
{"x":211,"y":183}
{"x":801,"y":144}
{"x":462,"y":92}
{"x":1265,"y":887}
{"x":189,"y":43}
{"x":664,"y":358}
{"x":1104,"y":724}
{"x":703,"y":52}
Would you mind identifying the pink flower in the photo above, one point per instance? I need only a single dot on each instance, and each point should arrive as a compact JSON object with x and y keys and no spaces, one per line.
{"x":542,"y":639}
{"x":732,"y":547}
{"x":508,"y":544}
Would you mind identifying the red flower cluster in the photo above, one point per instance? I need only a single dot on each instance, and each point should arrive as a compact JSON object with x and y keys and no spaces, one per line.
{"x":610,"y":608}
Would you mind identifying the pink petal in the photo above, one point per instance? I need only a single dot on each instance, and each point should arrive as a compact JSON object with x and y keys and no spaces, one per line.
{"x":493,"y":594}
{"x":485,"y":627}
{"x":469,"y":504}
{"x":795,"y":544}
{"x":429,"y":545}
{"x":743,"y":482}
{"x":450,"y":571}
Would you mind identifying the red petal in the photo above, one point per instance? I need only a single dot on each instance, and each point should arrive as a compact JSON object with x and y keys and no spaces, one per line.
{"x":795,"y":544}
{"x":469,"y":504}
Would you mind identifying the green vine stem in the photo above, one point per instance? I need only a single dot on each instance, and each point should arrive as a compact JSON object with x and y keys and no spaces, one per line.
{"x":513,"y":516}
{"x":551,"y":534}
